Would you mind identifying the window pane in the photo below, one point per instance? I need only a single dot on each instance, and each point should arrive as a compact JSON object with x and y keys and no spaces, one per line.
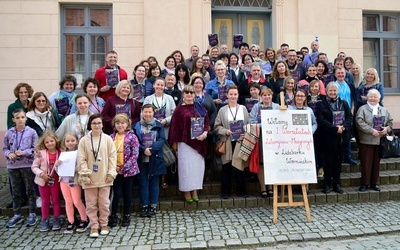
{"x":100,"y":17}
{"x":389,"y":23}
{"x":371,"y":53}
{"x":75,"y":54}
{"x":74,"y":17}
{"x":370,"y":23}
{"x":390,"y":47}
{"x":99,"y":47}
{"x":390,"y":80}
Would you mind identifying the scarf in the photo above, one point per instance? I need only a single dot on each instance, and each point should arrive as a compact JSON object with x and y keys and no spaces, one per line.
{"x":67,"y":94}
{"x":43,"y":119}
{"x":374,"y":108}
{"x":147,"y":123}
{"x":309,"y":78}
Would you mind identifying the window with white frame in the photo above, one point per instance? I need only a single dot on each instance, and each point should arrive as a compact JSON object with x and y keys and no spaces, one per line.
{"x":381,"y":47}
{"x":86,"y":37}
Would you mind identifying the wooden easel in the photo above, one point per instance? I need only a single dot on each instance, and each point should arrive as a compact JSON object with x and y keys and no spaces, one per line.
{"x":290,"y":203}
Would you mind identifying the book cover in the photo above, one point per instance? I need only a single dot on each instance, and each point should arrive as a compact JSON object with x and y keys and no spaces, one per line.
{"x":237,"y":129}
{"x":249,"y":103}
{"x":338,"y":118}
{"x":196,"y":127}
{"x":123,"y":109}
{"x":148,"y":139}
{"x":112,"y":77}
{"x":378,"y":122}
{"x":213,"y":39}
{"x":62,"y":105}
{"x":159,"y":114}
{"x":137,"y":92}
{"x":237,"y":40}
{"x":223,"y":92}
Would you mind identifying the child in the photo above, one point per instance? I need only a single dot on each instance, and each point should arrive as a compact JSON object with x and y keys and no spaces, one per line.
{"x":19,"y":145}
{"x":43,"y":167}
{"x":151,"y":137}
{"x":71,"y":190}
{"x":255,"y":90}
{"x":127,"y":145}
{"x":97,"y":158}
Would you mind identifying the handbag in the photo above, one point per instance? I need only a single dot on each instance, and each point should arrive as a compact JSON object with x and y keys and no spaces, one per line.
{"x":220,"y":147}
{"x":389,"y":147}
{"x":168,"y":154}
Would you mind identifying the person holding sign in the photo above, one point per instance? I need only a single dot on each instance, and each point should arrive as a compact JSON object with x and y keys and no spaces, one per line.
{"x":218,"y":87}
{"x":334,"y":119}
{"x":372,"y":121}
{"x":123,"y":103}
{"x":110,"y":75}
{"x":62,"y":100}
{"x":150,"y":134}
{"x":97,"y":159}
{"x":229,"y":125}
{"x":188,"y":136}
{"x":255,"y":117}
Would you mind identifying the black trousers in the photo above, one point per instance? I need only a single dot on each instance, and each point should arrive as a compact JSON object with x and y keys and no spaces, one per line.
{"x":332,"y":167}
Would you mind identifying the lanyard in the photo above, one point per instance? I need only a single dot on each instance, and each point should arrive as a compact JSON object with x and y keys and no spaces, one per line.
{"x":48,"y":162}
{"x":95,"y":153}
{"x":190,"y":110}
{"x":234,"y":116}
{"x":158,"y":105}
{"x":83,"y":128}
{"x":94,"y":105}
{"x":16,"y":138}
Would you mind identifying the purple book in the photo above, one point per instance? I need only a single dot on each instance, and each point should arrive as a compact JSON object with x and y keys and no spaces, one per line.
{"x":137,"y":92}
{"x":237,"y":129}
{"x":62,"y":105}
{"x":213,"y":39}
{"x":112,"y":77}
{"x":147,"y":139}
{"x":223,"y":92}
{"x":123,"y":109}
{"x":378,"y":122}
{"x":196,"y":127}
{"x":338,"y":118}
{"x":159,"y":114}
{"x":249,"y":103}
{"x":237,"y":40}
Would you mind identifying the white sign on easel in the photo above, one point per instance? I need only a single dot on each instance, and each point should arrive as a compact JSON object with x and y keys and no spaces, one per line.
{"x":288,"y":148}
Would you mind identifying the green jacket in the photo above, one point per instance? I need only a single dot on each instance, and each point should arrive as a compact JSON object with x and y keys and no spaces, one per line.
{"x":13,"y":106}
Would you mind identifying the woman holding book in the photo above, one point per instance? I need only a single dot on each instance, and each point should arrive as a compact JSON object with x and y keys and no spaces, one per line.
{"x":334,"y":120}
{"x":188,"y":137}
{"x":371,"y":81}
{"x":372,"y":121}
{"x":229,"y":125}
{"x":218,"y":87}
{"x":141,"y":87}
{"x":62,"y":100}
{"x":122,"y":103}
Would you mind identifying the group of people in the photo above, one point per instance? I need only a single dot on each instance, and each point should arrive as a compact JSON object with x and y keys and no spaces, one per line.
{"x":119,"y":128}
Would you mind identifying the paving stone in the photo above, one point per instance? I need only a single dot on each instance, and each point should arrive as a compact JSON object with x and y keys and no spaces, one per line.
{"x":233,"y":242}
{"x":140,"y":248}
{"x":250,"y":241}
{"x":382,"y":229}
{"x":311,"y":236}
{"x":216,"y":243}
{"x":180,"y":245}
{"x":355,"y":232}
{"x":160,"y":247}
{"x":266,"y":240}
{"x":198,"y":245}
{"x":295,"y":237}
{"x":368,"y":230}
{"x":281,"y":238}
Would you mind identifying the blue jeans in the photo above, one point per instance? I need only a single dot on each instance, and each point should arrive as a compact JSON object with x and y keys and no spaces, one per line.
{"x":149,"y":189}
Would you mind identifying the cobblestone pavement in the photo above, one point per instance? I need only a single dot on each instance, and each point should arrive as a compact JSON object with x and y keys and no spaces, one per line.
{"x":248,"y":228}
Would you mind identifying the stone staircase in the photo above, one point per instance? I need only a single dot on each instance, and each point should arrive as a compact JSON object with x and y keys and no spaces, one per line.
{"x":172,"y":199}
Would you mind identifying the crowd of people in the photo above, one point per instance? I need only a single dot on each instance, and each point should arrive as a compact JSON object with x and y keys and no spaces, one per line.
{"x":118,"y":128}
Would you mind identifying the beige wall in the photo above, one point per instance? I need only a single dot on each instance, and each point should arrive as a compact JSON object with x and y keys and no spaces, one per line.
{"x":30,"y":34}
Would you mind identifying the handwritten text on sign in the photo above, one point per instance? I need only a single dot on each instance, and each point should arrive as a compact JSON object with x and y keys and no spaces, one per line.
{"x":288,"y":148}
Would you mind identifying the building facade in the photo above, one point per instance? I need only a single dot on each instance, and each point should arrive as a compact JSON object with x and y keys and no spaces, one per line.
{"x":45,"y":39}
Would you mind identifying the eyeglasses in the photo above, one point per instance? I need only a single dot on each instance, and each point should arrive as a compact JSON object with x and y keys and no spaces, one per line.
{"x":206,"y":60}
{"x":38,"y":101}
{"x":97,"y":123}
{"x":300,"y":57}
{"x":189,"y":92}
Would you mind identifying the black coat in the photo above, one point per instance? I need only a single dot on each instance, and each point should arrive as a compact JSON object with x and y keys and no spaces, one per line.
{"x":332,"y":141}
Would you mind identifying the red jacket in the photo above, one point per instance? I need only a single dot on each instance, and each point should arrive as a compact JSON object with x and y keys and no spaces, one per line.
{"x":100,"y":76}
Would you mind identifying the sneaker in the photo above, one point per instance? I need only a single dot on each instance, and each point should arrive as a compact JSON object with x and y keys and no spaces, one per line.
{"x":126,"y":220}
{"x":14,"y":221}
{"x":70,"y":228}
{"x":32,"y":219}
{"x":56,"y":224}
{"x":151,"y":211}
{"x":104,"y":230}
{"x":38,"y":202}
{"x":83,"y":226}
{"x":113,"y":221}
{"x":143,"y":211}
{"x":45,"y":225}
{"x":94,"y":232}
